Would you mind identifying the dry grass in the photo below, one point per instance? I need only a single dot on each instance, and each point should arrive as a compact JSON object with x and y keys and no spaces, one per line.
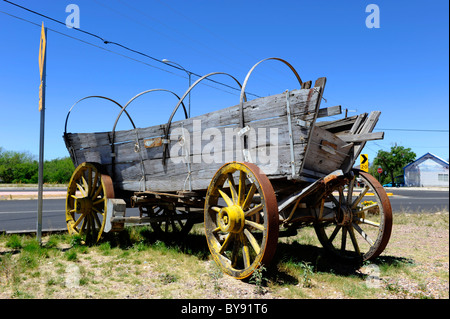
{"x":135,"y":264}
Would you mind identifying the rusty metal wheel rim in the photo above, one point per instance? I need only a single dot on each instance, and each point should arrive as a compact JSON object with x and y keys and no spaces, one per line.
{"x":359,"y":225}
{"x":241,"y":231}
{"x":86,"y":202}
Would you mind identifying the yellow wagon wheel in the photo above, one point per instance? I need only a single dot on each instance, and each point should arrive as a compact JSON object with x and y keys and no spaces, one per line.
{"x":86,"y":201}
{"x":356,"y":223}
{"x":241,"y":219}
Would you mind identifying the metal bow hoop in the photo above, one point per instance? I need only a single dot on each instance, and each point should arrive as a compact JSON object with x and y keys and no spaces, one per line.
{"x":95,"y":96}
{"x":243,"y":96}
{"x":241,"y":120}
{"x":138,"y":95}
{"x":194,"y":85}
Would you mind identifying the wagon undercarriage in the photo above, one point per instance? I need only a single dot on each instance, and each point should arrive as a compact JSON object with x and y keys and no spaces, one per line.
{"x":264,"y":168}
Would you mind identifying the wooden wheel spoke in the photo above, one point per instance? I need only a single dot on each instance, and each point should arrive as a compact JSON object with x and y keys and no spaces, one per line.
{"x":97,"y":192}
{"x":254,"y":225}
{"x":360,"y":197}
{"x":83,"y":225}
{"x":89,"y":185}
{"x":85,"y":185}
{"x":252,"y":241}
{"x":368,"y":207}
{"x":81,"y":189}
{"x":99,"y":201}
{"x":245,"y":251}
{"x":215,"y":208}
{"x":248,"y":200}
{"x":354,"y":241}
{"x":241,"y":194}
{"x":81,"y":218}
{"x":234,"y":194}
{"x":369,"y":222}
{"x":334,"y":200}
{"x":363,"y":234}
{"x":94,"y":184}
{"x":226,"y":198}
{"x":226,"y":242}
{"x":235,"y":253}
{"x":97,"y":211}
{"x":350,"y":190}
{"x":343,"y":239}
{"x":254,"y":210}
{"x":333,"y":235}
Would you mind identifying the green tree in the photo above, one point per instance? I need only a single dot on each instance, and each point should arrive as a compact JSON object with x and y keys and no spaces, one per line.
{"x":393,"y":162}
{"x":17,"y":167}
{"x":21,"y":167}
{"x":58,"y":170}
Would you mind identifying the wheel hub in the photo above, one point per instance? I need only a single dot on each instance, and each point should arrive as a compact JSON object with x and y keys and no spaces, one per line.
{"x":231,"y":219}
{"x":83,"y":205}
{"x":345,"y":216}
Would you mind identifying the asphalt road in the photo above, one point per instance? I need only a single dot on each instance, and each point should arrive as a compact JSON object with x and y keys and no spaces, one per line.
{"x":18,"y":215}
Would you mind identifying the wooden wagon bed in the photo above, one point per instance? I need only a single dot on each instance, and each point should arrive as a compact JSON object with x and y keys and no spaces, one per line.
{"x":283,"y":139}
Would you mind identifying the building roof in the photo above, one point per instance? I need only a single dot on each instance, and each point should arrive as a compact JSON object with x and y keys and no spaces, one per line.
{"x":428,"y":156}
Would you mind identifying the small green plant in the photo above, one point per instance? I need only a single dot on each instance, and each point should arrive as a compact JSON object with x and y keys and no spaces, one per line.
{"x":259,"y":280}
{"x":14,"y":242}
{"x":71,"y":255}
{"x":215,"y":274}
{"x":168,"y":278}
{"x":308,"y":271}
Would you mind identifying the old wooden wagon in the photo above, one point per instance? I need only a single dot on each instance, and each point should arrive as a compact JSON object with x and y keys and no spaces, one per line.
{"x":247,"y":172}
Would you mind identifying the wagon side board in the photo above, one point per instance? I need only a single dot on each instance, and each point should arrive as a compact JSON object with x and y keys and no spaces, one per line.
{"x":136,"y":161}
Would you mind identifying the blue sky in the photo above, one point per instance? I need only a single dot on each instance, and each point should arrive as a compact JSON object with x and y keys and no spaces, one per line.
{"x":400,"y":69}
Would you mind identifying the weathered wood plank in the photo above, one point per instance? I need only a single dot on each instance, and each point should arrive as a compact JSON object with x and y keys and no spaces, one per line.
{"x":330,"y":111}
{"x":366,"y":127}
{"x":353,"y":138}
{"x":327,"y":151}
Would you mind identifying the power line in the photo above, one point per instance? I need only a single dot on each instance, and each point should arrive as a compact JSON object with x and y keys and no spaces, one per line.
{"x":114,"y":52}
{"x":124,"y":47}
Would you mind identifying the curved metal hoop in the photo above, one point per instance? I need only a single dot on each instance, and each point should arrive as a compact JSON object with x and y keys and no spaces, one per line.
{"x":184,"y":96}
{"x":138,"y":95}
{"x":194,"y":85}
{"x":94,"y":96}
{"x":251,"y":71}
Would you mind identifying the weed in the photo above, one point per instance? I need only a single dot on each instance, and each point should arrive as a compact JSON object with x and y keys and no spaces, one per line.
{"x":259,"y":280}
{"x":167,"y":278}
{"x":215,"y":274}
{"x":71,"y":255}
{"x":14,"y":242}
{"x":308,"y":271}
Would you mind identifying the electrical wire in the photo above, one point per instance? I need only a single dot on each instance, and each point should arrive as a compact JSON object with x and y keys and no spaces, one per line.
{"x":126,"y":48}
{"x":117,"y":53}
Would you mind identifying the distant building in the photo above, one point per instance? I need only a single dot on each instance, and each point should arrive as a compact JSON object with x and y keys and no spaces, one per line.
{"x":427,"y":170}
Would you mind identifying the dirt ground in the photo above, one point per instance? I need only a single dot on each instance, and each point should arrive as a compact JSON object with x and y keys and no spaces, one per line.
{"x":421,"y":248}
